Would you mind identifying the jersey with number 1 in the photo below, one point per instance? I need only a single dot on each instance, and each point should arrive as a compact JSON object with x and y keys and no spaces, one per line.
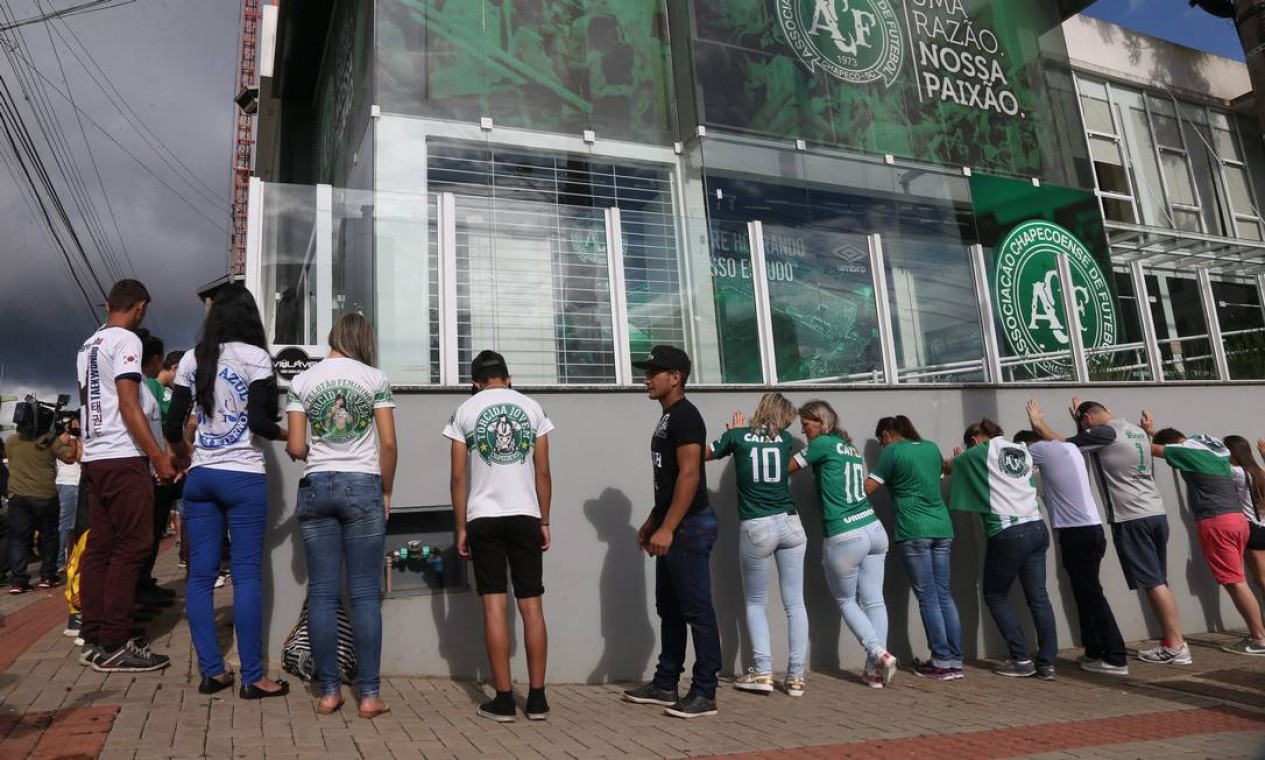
{"x":1122,"y":453}
{"x":761,"y":463}
{"x":840,"y":475}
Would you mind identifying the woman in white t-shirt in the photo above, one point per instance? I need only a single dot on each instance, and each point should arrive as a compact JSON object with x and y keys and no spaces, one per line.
{"x":227,"y":380}
{"x":343,"y":501}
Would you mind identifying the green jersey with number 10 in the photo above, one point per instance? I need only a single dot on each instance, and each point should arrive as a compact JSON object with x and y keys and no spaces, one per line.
{"x":840,"y":473}
{"x":762,"y":466}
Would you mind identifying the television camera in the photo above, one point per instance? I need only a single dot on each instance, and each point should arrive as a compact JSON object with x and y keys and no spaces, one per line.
{"x":34,"y":418}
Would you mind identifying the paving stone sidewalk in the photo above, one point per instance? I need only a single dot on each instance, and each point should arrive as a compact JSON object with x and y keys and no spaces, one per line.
{"x":51,"y":707}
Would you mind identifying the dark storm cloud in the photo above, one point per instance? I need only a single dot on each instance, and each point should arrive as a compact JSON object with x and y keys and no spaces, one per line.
{"x":175,"y":64}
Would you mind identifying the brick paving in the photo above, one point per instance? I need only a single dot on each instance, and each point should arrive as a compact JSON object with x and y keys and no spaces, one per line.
{"x":50,"y":707}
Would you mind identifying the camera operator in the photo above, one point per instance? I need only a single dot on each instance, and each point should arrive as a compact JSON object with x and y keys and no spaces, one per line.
{"x":33,"y":504}
{"x":68,"y":474}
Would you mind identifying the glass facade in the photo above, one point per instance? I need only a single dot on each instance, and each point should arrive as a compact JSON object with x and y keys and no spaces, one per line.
{"x":875,"y":192}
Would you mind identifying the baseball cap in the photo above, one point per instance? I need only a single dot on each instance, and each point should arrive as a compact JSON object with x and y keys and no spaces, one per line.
{"x":487,"y":360}
{"x":665,"y":357}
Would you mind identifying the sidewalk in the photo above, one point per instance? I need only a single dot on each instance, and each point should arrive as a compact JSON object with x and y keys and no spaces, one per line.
{"x":50,"y":707}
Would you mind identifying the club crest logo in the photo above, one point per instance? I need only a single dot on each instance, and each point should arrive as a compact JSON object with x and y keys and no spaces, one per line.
{"x":503,"y":434}
{"x":340,"y":413}
{"x":1013,"y":462}
{"x":1029,"y":296}
{"x":857,"y":41}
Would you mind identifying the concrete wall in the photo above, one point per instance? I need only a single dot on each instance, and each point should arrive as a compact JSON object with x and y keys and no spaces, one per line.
{"x":1120,"y":53}
{"x":600,"y":590}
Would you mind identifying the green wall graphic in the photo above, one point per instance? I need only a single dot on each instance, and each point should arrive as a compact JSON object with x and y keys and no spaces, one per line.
{"x":554,"y":65}
{"x":937,"y":80}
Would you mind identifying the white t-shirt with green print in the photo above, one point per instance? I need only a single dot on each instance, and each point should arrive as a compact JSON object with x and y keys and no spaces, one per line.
{"x":500,"y":427}
{"x":338,"y":396}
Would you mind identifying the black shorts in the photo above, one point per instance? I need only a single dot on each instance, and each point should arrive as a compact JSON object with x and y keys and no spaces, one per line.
{"x":498,"y":542}
{"x":1256,"y":537}
{"x":1142,"y":546}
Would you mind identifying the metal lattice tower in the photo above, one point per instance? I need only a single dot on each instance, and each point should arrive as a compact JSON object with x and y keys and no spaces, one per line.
{"x":244,"y":137}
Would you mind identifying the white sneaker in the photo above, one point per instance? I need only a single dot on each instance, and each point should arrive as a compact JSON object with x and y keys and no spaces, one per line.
{"x":1166,"y":656}
{"x":753,"y":681}
{"x":220,"y":580}
{"x":885,"y":667}
{"x":1105,"y":668}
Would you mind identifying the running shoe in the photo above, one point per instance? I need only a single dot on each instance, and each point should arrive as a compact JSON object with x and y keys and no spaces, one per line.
{"x":1166,"y":656}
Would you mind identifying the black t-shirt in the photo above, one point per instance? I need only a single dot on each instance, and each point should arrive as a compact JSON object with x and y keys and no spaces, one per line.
{"x":680,"y":425}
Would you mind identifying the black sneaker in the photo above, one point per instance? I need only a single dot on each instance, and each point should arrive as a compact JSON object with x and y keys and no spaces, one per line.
{"x":1045,"y":672}
{"x":649,"y":694}
{"x":129,"y":658}
{"x":1017,"y":669}
{"x":693,"y":706}
{"x":73,"y":624}
{"x":537,"y":707}
{"x":501,"y":709}
{"x":89,"y":654}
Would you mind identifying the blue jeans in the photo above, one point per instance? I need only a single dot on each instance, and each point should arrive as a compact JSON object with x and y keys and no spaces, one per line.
{"x":216,"y":500}
{"x":927,"y":564}
{"x":68,"y":502}
{"x":762,"y":541}
{"x":683,"y":597}
{"x":343,"y":519}
{"x":1020,"y":551}
{"x":854,"y":563}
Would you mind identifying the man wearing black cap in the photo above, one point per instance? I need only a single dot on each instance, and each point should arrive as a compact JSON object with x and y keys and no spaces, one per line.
{"x":679,"y":534}
{"x":1139,"y":522}
{"x":501,"y":437}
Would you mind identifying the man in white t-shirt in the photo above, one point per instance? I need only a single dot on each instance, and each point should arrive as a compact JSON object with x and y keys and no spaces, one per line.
{"x":118,"y":449}
{"x":499,"y":436}
{"x":1082,"y":545}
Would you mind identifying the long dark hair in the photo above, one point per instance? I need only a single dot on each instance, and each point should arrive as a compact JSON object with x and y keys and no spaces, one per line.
{"x":900,"y":425}
{"x":1241,"y":454}
{"x":232,"y":318}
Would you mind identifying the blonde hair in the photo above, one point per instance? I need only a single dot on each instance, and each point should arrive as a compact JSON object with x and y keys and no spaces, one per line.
{"x":353,"y":337}
{"x":821,"y":411}
{"x":772,"y":415}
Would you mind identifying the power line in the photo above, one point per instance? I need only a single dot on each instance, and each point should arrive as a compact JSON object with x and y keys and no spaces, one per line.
{"x":91,"y":155}
{"x":5,"y":116}
{"x":62,"y":154}
{"x":76,"y":10}
{"x":111,"y":138}
{"x":120,"y":104}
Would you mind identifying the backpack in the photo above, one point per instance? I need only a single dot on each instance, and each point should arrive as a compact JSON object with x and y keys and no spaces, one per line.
{"x":296,"y":652}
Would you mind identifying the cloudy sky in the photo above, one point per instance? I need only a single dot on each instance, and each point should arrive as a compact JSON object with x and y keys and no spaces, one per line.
{"x":174,"y":63}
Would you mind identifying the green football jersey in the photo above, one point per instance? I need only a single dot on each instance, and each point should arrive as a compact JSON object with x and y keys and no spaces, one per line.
{"x":911,"y":472}
{"x":840,"y":474}
{"x":762,"y":465}
{"x":995,"y":480}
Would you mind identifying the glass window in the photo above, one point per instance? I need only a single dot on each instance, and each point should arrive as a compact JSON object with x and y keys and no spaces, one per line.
{"x":1168,"y":131}
{"x":1125,"y":360}
{"x":1187,"y":220}
{"x":935,"y":312}
{"x":1118,"y":210}
{"x":1094,"y":106}
{"x":1242,"y":325}
{"x":288,"y":296}
{"x":825,"y":326}
{"x":1108,"y":165}
{"x":532,"y":283}
{"x":1177,"y":176}
{"x":1240,"y":193}
{"x":1148,"y":189}
{"x":1226,"y":146}
{"x":1180,"y":327}
{"x":1248,"y":229}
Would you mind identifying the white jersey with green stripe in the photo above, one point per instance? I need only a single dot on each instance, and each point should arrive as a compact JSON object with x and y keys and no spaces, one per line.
{"x":995,"y":479}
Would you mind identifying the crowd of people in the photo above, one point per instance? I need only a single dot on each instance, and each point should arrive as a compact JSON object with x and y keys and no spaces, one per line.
{"x":157,"y":429}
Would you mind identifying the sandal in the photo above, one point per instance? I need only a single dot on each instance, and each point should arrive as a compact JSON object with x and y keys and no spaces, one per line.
{"x":371,"y":713}
{"x":323,"y":710}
